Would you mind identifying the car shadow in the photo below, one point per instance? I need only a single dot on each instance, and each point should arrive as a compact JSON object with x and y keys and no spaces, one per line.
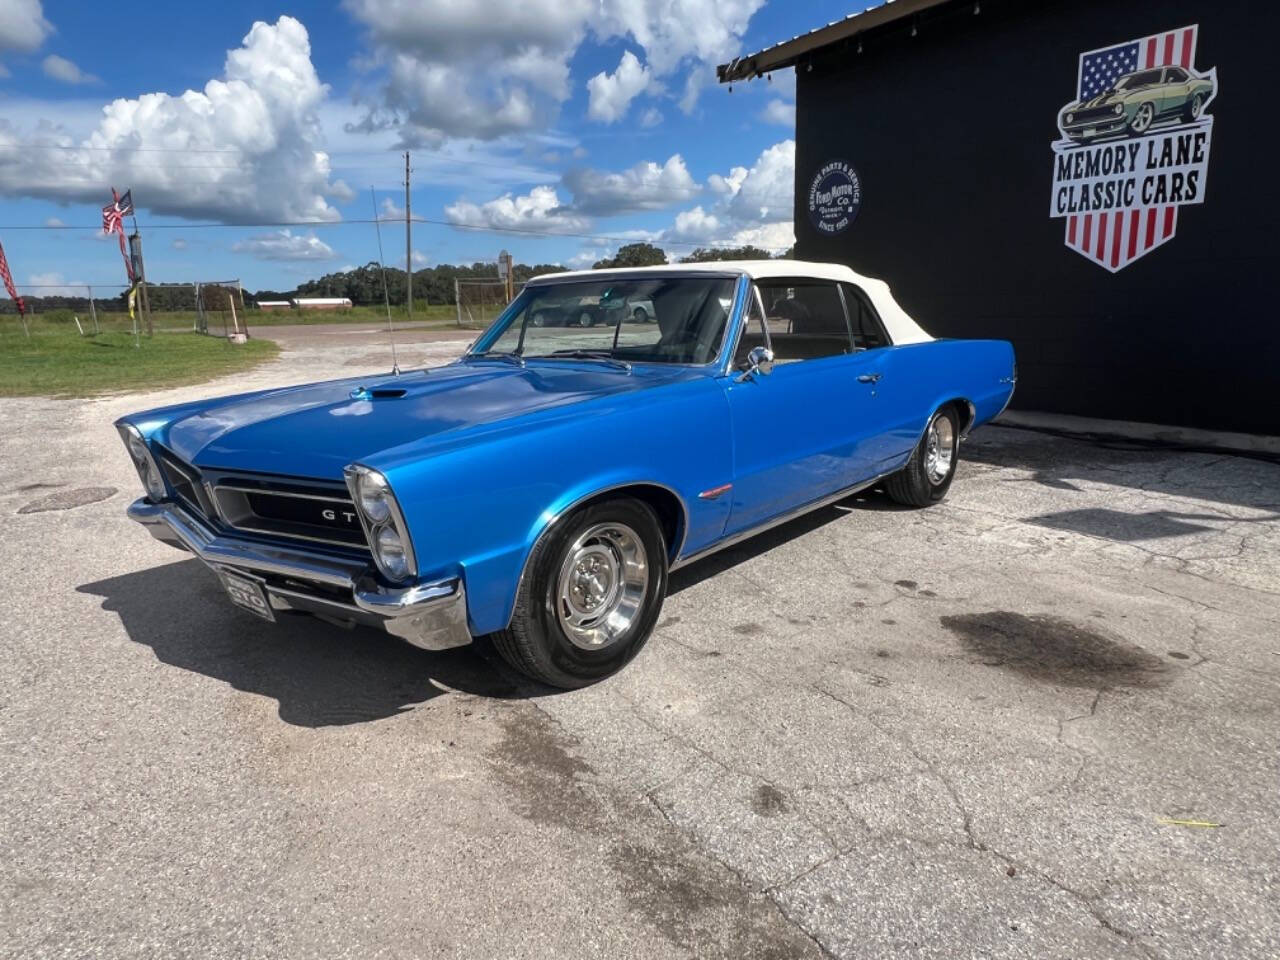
{"x":320,"y":674}
{"x":1063,"y":463}
{"x":874,"y":499}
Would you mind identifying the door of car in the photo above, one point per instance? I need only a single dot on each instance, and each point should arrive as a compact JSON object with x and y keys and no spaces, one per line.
{"x":1173,"y":92}
{"x":807,"y":428}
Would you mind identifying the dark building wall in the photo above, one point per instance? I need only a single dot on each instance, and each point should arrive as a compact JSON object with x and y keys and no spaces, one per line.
{"x":950,"y":133}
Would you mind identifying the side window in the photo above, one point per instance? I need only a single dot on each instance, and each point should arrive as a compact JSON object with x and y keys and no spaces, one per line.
{"x":753,"y":332}
{"x":867,"y":331}
{"x":1175,"y":75}
{"x":805,"y":319}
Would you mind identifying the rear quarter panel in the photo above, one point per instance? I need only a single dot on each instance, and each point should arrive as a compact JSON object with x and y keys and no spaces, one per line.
{"x":476,"y":503}
{"x":920,"y":377}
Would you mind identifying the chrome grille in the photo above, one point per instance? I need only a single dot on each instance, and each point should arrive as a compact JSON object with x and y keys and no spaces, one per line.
{"x":314,"y":514}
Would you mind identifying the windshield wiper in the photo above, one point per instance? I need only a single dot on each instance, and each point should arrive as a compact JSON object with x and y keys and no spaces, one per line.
{"x":599,"y":356}
{"x":496,"y":355}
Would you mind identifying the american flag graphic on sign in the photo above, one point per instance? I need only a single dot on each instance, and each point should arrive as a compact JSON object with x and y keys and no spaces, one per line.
{"x":1134,"y":148}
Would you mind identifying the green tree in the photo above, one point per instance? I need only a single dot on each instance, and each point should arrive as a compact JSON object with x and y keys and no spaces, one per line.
{"x":633,"y":255}
{"x":709,"y":254}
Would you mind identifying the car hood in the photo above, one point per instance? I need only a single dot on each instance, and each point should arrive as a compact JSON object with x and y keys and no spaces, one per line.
{"x":317,"y":429}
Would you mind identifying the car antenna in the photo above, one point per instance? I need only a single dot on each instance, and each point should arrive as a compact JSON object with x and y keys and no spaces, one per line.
{"x":386,"y":298}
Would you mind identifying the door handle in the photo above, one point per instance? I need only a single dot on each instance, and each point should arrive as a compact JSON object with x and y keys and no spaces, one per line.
{"x":869,"y":377}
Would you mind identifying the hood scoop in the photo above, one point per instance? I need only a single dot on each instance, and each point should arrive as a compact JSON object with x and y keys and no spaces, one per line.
{"x":377,"y":393}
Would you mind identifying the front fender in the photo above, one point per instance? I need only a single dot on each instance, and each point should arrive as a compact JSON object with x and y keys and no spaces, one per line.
{"x":477,"y":509}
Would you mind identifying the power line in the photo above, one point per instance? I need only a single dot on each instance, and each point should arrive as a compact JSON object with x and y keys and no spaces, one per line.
{"x":518,"y":231}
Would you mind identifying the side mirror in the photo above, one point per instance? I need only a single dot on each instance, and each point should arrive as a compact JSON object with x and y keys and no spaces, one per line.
{"x":759,"y":360}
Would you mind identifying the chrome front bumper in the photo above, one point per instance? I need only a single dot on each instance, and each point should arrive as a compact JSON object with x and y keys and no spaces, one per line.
{"x":432,"y":616}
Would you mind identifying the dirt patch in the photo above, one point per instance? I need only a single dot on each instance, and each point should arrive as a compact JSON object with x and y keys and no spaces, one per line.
{"x":66,"y":499}
{"x":1055,"y":650}
{"x":685,"y":895}
{"x":748,"y":629}
{"x":768,"y":800}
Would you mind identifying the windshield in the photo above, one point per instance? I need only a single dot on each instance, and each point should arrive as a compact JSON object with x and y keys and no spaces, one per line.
{"x":641,"y":320}
{"x":1134,"y":80}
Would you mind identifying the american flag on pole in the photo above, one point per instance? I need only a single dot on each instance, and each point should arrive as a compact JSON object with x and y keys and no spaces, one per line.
{"x":1113,"y":235}
{"x":8,"y":284}
{"x":113,"y":215}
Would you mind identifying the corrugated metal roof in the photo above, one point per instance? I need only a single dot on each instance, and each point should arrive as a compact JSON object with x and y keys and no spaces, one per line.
{"x":786,"y":53}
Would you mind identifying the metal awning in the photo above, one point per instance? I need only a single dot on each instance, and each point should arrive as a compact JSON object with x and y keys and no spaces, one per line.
{"x":787,"y":53}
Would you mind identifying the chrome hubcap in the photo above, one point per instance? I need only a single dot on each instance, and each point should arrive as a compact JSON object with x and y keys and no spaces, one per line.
{"x":939,"y":450}
{"x":1196,"y":104}
{"x":1143,"y":118}
{"x":602,"y":583}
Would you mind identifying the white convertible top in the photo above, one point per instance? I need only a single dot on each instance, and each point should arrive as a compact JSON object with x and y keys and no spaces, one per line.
{"x":898,"y":323}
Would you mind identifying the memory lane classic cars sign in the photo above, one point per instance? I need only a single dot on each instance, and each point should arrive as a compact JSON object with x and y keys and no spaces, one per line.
{"x":1134,"y":146}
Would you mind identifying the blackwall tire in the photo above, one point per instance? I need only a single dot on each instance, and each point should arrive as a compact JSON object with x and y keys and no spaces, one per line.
{"x":927,"y":476}
{"x":551,"y":637}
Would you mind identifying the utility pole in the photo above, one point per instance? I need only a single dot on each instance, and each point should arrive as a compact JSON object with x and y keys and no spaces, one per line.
{"x":408,"y":242}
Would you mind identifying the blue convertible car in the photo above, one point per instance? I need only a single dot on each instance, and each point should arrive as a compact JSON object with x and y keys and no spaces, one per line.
{"x":540,"y":488}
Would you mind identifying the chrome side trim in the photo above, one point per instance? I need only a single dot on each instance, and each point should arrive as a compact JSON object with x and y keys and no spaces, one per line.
{"x":778,"y":521}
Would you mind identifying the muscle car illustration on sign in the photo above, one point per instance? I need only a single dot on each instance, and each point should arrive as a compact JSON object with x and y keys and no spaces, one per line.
{"x":1137,"y":102}
{"x":540,"y":488}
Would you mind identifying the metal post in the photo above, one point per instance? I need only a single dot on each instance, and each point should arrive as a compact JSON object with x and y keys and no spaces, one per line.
{"x":457,"y":299}
{"x":93,"y":311}
{"x":408,"y":242}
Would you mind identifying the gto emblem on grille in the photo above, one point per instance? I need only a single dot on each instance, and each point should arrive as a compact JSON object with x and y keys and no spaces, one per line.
{"x":347,"y":515}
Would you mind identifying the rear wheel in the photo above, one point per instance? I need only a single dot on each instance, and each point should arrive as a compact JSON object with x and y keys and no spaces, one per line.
{"x":1192,"y":110}
{"x":639,"y":315}
{"x":585,"y":319}
{"x":928,"y":474}
{"x":591,"y":594}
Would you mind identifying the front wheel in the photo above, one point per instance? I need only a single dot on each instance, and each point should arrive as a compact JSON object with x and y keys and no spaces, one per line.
{"x":928,"y":474}
{"x":585,"y":319}
{"x":1142,"y":120}
{"x":591,"y":594}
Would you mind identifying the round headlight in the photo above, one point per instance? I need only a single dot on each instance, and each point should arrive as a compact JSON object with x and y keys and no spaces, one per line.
{"x":137,"y":448}
{"x":391,"y":554}
{"x":154,"y":484}
{"x":1119,"y":108}
{"x":1070,"y":117}
{"x":375,"y":497}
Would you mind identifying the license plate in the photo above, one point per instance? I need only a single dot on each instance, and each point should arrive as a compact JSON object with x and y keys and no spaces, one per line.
{"x":1090,"y":131}
{"x":247,"y":594}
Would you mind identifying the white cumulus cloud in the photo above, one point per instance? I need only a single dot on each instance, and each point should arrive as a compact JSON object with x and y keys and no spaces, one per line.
{"x":610,"y":94}
{"x":754,"y":205}
{"x":484,"y":70}
{"x":286,"y":245}
{"x":779,"y":112}
{"x":539,"y":209}
{"x":646,"y":186}
{"x":60,"y":68}
{"x":22,"y":25}
{"x":245,"y":148}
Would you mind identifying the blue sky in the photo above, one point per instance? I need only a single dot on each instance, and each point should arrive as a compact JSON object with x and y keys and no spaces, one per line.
{"x":594,"y":121}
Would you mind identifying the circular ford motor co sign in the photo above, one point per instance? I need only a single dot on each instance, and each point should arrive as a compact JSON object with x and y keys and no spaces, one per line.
{"x":835,"y":197}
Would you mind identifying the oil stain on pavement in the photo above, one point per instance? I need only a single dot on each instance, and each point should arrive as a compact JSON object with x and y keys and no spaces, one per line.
{"x":1055,"y":650}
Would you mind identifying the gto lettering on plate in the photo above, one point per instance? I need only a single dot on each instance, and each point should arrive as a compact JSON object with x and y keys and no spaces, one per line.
{"x":1134,"y":146}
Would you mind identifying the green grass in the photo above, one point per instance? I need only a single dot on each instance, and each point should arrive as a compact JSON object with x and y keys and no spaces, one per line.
{"x":434,"y":316}
{"x":58,"y":362}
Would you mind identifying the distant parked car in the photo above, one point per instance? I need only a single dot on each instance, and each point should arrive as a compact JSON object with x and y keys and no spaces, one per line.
{"x":540,"y":488}
{"x":1136,"y":102}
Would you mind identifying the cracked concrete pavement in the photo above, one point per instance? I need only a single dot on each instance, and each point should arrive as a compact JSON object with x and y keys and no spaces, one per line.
{"x":874,"y":732}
